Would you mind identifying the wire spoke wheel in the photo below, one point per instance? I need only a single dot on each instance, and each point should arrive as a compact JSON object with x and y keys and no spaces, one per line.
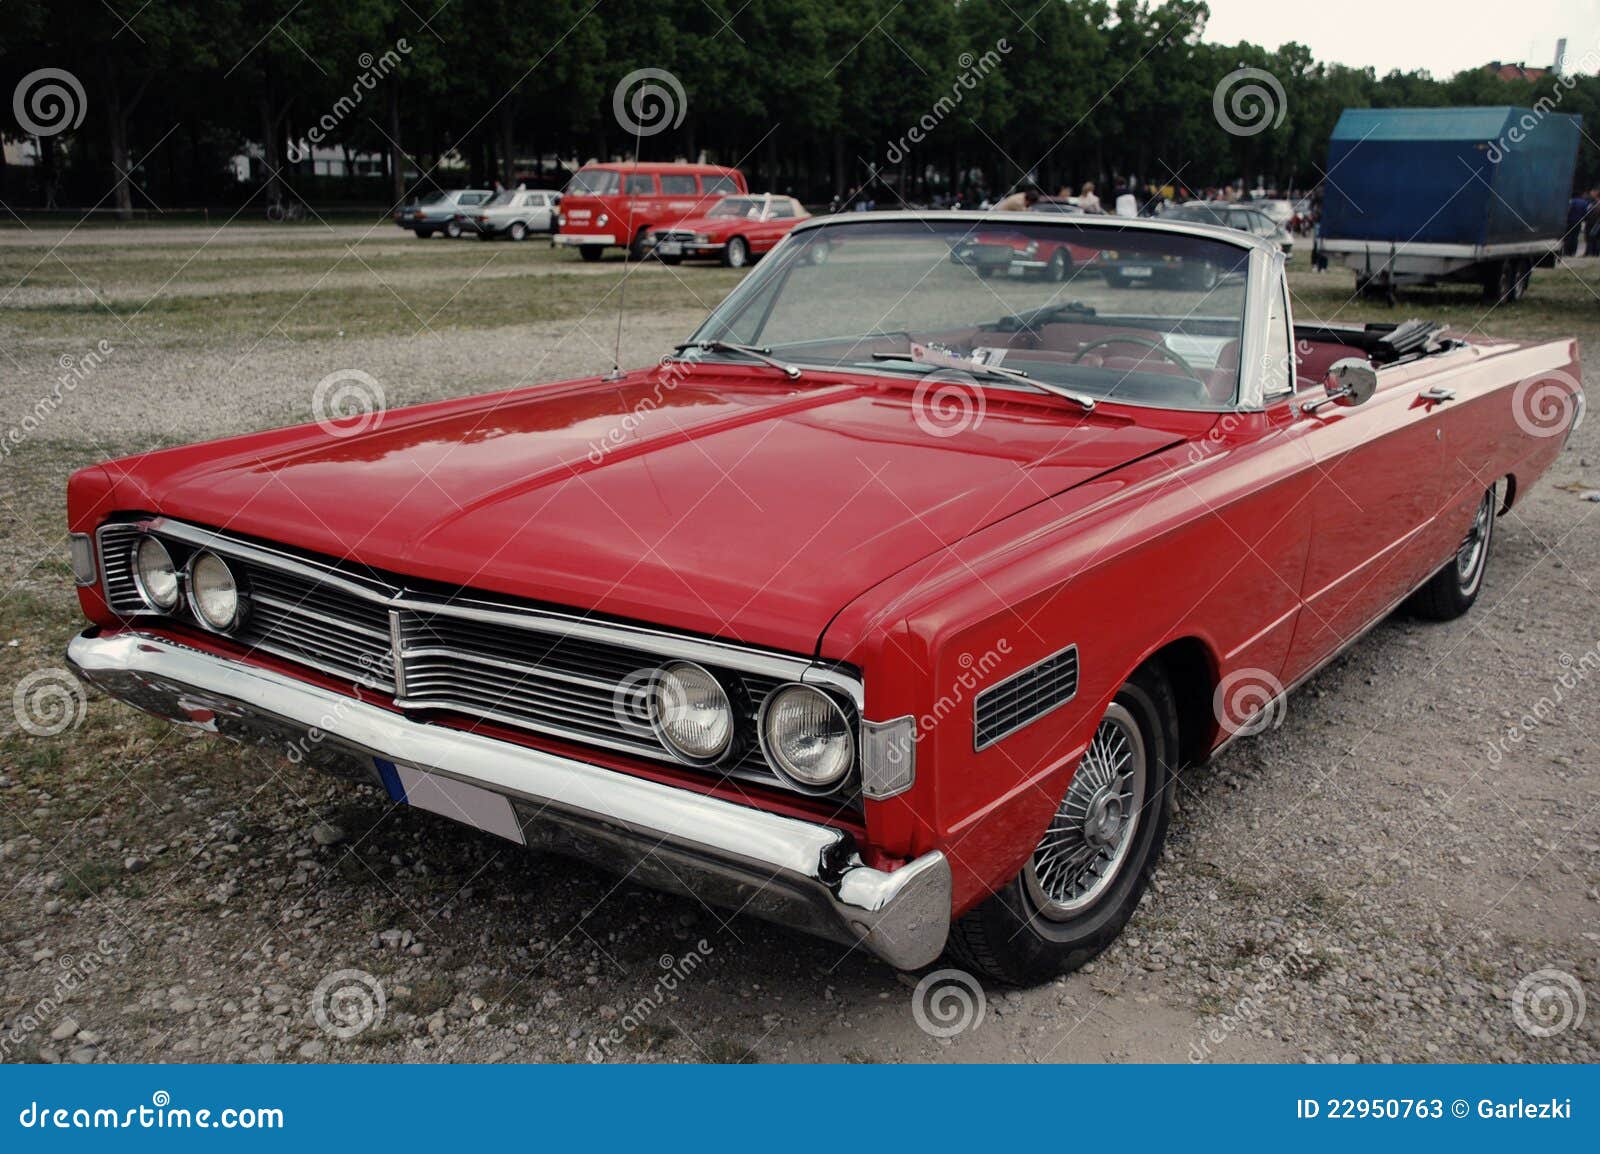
{"x":1087,"y":843}
{"x":1474,"y":549}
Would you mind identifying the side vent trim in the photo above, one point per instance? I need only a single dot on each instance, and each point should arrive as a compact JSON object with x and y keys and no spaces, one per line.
{"x":1024,"y":698}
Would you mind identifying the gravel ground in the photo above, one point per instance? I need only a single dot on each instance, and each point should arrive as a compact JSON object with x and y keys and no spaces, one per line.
{"x":1371,"y":880}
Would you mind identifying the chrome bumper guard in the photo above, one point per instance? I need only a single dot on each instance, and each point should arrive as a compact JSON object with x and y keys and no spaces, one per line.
{"x":580,"y":239}
{"x":789,"y":871}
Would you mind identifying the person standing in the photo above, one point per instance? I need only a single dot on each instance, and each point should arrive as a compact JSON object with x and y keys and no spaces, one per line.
{"x":1019,"y":201}
{"x":1087,"y":200}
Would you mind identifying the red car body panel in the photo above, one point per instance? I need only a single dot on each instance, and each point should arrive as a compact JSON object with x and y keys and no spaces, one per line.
{"x":821,"y":517}
{"x":760,"y":235}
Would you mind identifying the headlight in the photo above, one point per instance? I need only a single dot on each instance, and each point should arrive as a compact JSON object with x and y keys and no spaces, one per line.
{"x":601,"y":222}
{"x":213,"y":592}
{"x":702,"y":238}
{"x":691,"y":713}
{"x":807,"y":736}
{"x":561,"y":219}
{"x":155,"y":575}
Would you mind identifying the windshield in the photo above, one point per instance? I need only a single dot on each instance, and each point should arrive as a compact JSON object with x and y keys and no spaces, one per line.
{"x":1131,"y":313}
{"x":593,"y":181}
{"x":745,"y":206}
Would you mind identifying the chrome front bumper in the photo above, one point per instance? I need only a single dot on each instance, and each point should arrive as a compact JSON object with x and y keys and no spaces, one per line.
{"x":789,"y":871}
{"x":580,"y":239}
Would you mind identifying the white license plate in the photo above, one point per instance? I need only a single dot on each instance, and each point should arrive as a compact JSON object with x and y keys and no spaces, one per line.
{"x":670,"y":248}
{"x":472,"y":804}
{"x":1136,"y":273}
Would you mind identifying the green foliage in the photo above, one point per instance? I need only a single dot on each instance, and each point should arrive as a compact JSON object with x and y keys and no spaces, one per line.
{"x":809,"y":96}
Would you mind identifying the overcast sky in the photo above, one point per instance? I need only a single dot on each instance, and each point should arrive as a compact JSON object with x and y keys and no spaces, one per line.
{"x":1438,"y":35}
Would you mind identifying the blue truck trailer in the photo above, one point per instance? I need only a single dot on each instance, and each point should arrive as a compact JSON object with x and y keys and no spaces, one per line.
{"x":1430,"y":195}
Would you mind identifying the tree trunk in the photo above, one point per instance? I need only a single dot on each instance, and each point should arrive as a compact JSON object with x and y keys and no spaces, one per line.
{"x":508,"y":152}
{"x":272,"y":184}
{"x":397,"y":156}
{"x":117,"y":138}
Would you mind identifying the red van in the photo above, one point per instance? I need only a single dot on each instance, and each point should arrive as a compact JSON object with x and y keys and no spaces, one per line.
{"x":616,"y":205}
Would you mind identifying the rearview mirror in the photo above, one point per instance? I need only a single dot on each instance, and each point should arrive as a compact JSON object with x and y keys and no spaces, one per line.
{"x":1349,"y":382}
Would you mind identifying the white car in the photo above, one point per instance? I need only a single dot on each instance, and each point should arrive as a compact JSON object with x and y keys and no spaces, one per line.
{"x":514,"y":213}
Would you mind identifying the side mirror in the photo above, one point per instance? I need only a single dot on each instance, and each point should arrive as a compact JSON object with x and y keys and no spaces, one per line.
{"x":1349,"y":382}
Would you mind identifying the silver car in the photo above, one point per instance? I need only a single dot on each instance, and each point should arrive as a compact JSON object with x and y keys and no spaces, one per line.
{"x":514,"y":213}
{"x":437,"y":212}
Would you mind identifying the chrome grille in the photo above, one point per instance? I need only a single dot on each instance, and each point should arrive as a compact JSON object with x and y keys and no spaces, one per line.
{"x":566,"y":676}
{"x":1023,"y":698}
{"x":115,"y":547}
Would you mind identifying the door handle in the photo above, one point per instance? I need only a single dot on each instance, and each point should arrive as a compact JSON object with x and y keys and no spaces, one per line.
{"x":1437,"y":394}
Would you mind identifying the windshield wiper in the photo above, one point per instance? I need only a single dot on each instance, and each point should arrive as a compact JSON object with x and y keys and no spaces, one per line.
{"x":975,"y":368}
{"x":760,"y":354}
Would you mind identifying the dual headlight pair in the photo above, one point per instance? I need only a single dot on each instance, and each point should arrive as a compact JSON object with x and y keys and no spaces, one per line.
{"x":804,"y":733}
{"x":213,"y":590}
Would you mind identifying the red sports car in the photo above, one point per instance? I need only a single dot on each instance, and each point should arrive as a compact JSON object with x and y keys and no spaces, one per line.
{"x":736,"y":229}
{"x":888,"y":607}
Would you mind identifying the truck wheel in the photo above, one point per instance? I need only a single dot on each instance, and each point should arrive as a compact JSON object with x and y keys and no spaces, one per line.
{"x":640,"y":248}
{"x":1521,"y":274}
{"x":1498,"y":281}
{"x":591,"y":252}
{"x":1090,"y":869}
{"x":1452,"y":590}
{"x":518,"y":230}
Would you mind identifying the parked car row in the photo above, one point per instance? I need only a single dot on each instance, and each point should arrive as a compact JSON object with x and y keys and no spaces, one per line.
{"x":516,"y":213}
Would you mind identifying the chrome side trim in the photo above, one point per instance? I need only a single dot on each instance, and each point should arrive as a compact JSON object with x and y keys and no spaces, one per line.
{"x":1000,"y":686}
{"x":798,"y":873}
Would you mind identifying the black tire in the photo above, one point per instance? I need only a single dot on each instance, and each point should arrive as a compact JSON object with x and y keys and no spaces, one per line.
{"x":1521,"y":274}
{"x":1010,"y":937}
{"x":1453,"y":589}
{"x":1498,"y":281}
{"x":452,"y":230}
{"x":423,"y":233}
{"x":518,"y":230}
{"x":1059,"y":267}
{"x":736,"y":254}
{"x":591,"y":252}
{"x":640,"y":248}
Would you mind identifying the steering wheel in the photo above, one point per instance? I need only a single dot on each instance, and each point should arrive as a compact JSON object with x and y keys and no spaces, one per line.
{"x":1143,"y":342}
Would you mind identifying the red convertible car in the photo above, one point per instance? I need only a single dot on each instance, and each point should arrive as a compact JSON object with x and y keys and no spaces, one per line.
{"x":888,"y":607}
{"x":736,"y":229}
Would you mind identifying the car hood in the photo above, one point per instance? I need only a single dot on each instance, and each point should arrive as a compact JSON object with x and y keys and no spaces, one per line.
{"x":715,"y":498}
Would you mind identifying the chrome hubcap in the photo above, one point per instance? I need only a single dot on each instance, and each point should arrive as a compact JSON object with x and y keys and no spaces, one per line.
{"x":1092,"y":831}
{"x":1474,"y":549}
